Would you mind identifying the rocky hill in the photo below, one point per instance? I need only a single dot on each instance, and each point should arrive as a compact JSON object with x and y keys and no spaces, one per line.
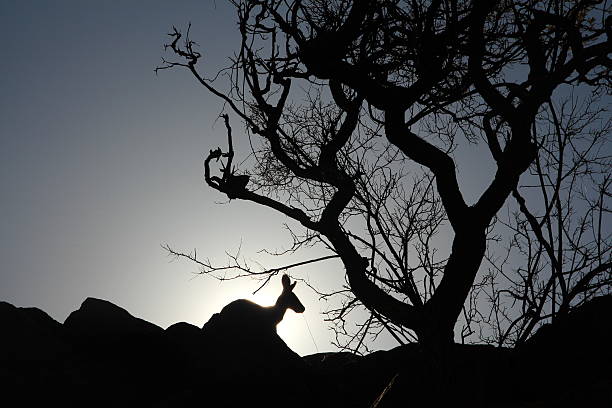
{"x":103,"y":356}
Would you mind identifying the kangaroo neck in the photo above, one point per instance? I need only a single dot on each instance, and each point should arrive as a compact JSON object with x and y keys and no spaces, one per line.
{"x":278,"y":311}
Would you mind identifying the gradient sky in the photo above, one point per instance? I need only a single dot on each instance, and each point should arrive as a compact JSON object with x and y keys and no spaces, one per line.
{"x":102,"y":162}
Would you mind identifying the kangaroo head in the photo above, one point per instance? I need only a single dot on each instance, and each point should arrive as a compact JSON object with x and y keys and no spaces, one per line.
{"x":288,"y":299}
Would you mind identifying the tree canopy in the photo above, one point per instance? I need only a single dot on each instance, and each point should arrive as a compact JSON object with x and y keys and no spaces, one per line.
{"x":356,"y":110}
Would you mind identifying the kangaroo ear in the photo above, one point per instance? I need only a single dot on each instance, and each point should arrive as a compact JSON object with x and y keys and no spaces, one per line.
{"x":293,"y":285}
{"x":286,"y":282}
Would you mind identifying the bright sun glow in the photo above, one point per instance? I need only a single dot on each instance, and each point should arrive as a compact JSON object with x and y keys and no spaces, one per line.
{"x":263,"y":299}
{"x":293,"y":329}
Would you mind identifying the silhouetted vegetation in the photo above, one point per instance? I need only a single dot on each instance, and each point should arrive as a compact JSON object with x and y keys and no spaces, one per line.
{"x":360,"y":111}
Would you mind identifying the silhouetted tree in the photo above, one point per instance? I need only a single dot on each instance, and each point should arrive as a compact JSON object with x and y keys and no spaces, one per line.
{"x":358,"y":108}
{"x":557,"y":254}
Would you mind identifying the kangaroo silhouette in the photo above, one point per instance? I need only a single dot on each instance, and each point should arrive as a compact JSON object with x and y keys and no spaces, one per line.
{"x":243,"y":312}
{"x":242,"y":347}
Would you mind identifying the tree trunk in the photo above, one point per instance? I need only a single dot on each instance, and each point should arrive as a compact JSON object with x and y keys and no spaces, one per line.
{"x":443,"y":309}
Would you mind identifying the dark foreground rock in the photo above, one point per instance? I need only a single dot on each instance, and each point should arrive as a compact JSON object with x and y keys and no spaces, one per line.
{"x":104,"y":356}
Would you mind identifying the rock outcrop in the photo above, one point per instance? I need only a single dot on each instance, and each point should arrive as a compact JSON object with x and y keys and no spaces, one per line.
{"x":104,"y":356}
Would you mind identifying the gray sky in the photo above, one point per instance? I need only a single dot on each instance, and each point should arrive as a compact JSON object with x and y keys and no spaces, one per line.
{"x":101,"y":163}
